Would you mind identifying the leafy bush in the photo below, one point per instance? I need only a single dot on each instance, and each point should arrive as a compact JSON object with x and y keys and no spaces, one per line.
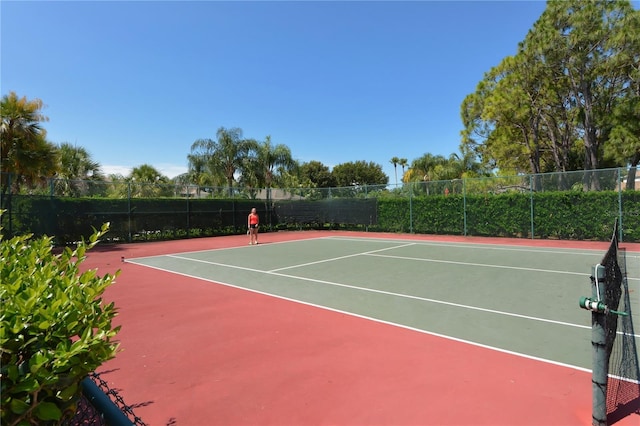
{"x":54,"y":328}
{"x":553,"y":214}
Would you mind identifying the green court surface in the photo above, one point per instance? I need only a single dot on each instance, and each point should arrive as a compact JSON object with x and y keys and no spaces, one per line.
{"x":517,"y":299}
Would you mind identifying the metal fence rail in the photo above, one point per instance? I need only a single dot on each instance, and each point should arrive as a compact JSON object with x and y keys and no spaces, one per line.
{"x":101,"y":406}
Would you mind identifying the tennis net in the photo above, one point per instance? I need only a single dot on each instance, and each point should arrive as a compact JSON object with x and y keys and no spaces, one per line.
{"x":623,"y":381}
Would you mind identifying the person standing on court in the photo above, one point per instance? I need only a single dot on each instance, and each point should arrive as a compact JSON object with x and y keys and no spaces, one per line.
{"x":253,"y":221}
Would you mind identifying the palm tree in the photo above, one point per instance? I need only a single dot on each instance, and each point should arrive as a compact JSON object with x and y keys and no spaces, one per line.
{"x":423,"y":168}
{"x":433,"y":168}
{"x":467,"y":165}
{"x":403,"y":163}
{"x":225,"y":155}
{"x":148,"y":181}
{"x":200,"y":174}
{"x":427,"y":169}
{"x":76,"y":168}
{"x":395,"y":161}
{"x":117,"y":186}
{"x":146,"y":173}
{"x":25,"y":153}
{"x":269,"y":162}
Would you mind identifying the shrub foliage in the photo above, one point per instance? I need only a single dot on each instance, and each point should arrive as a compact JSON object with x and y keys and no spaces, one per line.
{"x":54,"y":328}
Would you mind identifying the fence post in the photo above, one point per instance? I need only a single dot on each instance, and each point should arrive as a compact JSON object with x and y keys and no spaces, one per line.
{"x":620,"y":203}
{"x":233,"y":216}
{"x":411,"y":208}
{"x":464,"y":205}
{"x":531,"y":205}
{"x":129,"y":208}
{"x":188,"y":213}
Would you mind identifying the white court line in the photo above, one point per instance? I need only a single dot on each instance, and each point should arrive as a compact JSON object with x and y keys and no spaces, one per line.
{"x":389,"y":293}
{"x":226,"y":265}
{"x":390,"y":240}
{"x":340,"y":257}
{"x":485,"y":265}
{"x":406,"y":327}
{"x":227,"y":248}
{"x":208,"y":262}
{"x":479,"y":264}
{"x":568,"y":251}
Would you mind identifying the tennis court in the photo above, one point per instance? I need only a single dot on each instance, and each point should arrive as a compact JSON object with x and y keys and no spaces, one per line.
{"x":510,"y":298}
{"x":496,"y":300}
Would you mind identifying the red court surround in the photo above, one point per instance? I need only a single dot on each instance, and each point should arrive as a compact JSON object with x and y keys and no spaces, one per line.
{"x":197,"y":353}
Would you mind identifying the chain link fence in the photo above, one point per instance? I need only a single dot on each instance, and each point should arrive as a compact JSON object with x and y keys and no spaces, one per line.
{"x":550,"y":205}
{"x":530,"y":203}
{"x":101,"y":405}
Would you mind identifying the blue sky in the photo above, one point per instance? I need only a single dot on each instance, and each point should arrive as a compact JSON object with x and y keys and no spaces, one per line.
{"x":138,"y":82}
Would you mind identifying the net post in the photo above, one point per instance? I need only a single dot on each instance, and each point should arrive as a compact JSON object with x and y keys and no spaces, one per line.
{"x":600,"y":358}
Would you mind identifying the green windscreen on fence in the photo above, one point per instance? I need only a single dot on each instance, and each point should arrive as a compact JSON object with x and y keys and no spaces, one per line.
{"x":135,"y":219}
{"x":356,"y":211}
{"x":567,"y":206}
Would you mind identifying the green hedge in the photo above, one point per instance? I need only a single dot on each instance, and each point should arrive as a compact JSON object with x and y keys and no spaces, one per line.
{"x":557,"y":215}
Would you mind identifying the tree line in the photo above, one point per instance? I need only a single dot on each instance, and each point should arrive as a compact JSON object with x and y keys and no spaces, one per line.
{"x":568,"y":100}
{"x":230,"y":160}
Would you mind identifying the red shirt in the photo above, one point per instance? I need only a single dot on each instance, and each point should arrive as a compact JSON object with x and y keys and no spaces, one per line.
{"x":253,"y":219}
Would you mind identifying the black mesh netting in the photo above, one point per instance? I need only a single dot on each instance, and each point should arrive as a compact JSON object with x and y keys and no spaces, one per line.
{"x":623,"y":384}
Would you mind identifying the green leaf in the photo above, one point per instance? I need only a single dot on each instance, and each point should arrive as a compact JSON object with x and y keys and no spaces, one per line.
{"x":48,"y":411}
{"x":12,"y":372}
{"x":28,"y":384}
{"x":67,"y":393}
{"x":17,"y":326}
{"x":18,"y":406}
{"x":36,"y":361}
